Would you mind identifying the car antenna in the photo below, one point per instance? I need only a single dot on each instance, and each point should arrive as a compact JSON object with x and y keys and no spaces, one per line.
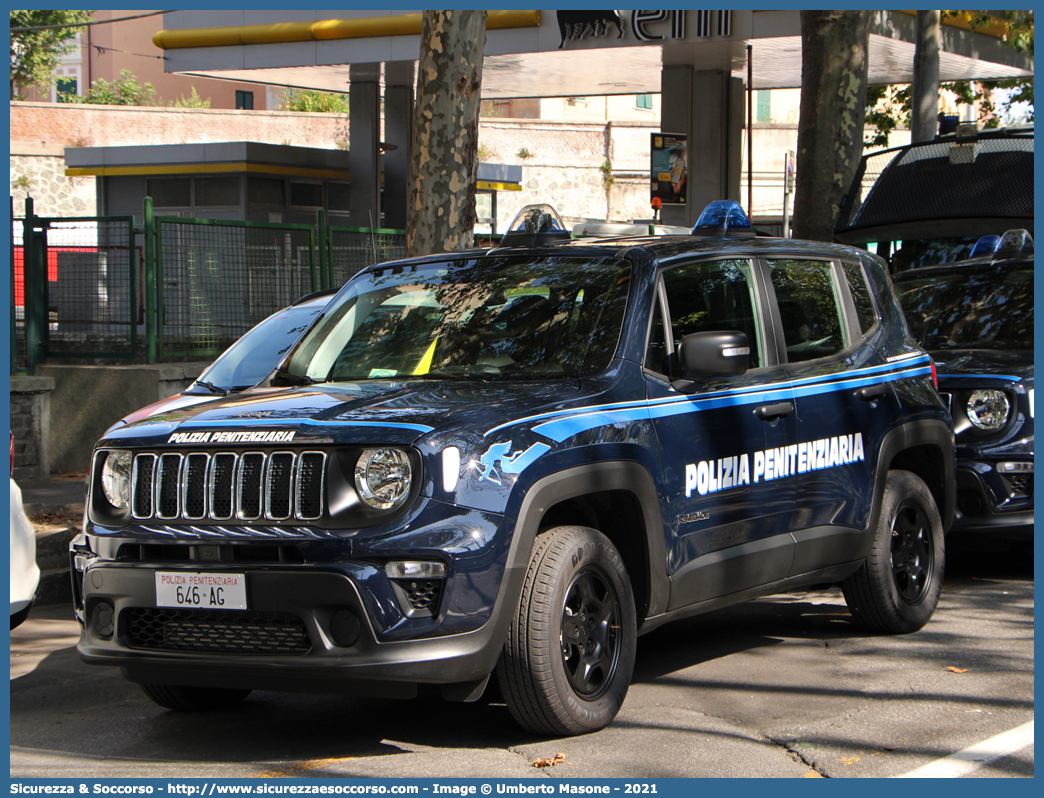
{"x":373,"y":235}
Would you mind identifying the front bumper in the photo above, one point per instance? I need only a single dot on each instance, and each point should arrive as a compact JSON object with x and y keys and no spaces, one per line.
{"x":332,"y":623}
{"x":317,"y":599}
{"x":25,"y":574}
{"x":994,"y":504}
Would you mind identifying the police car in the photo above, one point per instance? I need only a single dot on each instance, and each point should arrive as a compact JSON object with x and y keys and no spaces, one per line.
{"x":512,"y":462}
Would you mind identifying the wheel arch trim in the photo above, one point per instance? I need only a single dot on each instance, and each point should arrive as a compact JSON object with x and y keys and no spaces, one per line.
{"x":575,"y":482}
{"x":926,"y":433}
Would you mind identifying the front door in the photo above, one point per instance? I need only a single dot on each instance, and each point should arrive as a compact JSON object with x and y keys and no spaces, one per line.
{"x":724,"y":443}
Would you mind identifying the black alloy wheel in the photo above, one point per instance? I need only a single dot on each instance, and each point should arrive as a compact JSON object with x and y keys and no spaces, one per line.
{"x":590,"y":633}
{"x":912,"y":556}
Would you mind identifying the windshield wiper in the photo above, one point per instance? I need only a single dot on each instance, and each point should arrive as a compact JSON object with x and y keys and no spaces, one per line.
{"x":212,"y":387}
{"x":285,"y":378}
{"x":482,"y":376}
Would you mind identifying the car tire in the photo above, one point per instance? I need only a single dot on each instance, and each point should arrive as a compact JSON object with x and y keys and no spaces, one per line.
{"x":194,"y":699}
{"x":897,"y":588}
{"x":19,"y":617}
{"x":569,"y":654}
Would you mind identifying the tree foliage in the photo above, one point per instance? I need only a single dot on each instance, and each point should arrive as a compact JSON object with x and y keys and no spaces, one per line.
{"x":124,"y":91}
{"x":192,"y":101}
{"x":35,"y":54}
{"x":888,"y":107}
{"x":308,"y":101}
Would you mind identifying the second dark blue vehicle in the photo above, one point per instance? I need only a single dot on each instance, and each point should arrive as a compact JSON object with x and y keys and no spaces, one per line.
{"x":975,"y":317}
{"x":514,"y":461}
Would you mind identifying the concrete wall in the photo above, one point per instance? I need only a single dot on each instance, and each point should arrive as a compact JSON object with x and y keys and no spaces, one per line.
{"x":563,"y":167}
{"x":87,"y":400}
{"x":562,"y":164}
{"x":59,"y":124}
{"x":30,"y":424}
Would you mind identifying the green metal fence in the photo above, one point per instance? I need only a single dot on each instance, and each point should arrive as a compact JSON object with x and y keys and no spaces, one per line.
{"x":86,"y":288}
{"x":74,"y":288}
{"x":216,"y":279}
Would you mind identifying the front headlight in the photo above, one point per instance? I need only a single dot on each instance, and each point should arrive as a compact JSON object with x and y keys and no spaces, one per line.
{"x":988,"y":409}
{"x":115,"y":478}
{"x":383,"y":478}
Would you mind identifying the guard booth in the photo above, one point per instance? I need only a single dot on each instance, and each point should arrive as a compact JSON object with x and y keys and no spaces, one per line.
{"x":493,"y":178}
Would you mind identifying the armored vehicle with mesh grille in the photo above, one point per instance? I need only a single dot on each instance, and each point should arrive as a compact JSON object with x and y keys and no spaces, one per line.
{"x":512,"y":462}
{"x":928,"y":203}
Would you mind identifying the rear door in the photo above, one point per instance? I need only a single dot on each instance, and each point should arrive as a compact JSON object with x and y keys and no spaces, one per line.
{"x":724,"y":442}
{"x":845,"y":403}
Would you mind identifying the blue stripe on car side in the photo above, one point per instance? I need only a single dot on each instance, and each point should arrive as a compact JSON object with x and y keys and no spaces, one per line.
{"x":282,"y":422}
{"x":959,"y":376}
{"x":760,"y":390}
{"x":559,"y":429}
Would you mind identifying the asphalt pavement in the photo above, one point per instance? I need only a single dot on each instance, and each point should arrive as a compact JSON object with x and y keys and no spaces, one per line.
{"x":784,"y":687}
{"x":54,"y":494}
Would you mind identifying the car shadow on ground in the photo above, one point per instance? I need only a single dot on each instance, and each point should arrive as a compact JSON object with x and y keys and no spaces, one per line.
{"x":119,"y":721}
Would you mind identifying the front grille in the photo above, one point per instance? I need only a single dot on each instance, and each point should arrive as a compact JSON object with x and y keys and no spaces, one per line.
{"x":196,"y":486}
{"x":245,"y":553}
{"x":227,"y":632}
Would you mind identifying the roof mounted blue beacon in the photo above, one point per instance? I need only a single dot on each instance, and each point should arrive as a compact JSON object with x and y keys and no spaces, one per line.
{"x":986,"y":246}
{"x":723,"y":218}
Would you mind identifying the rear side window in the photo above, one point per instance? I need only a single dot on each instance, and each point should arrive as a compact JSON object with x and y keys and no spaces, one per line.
{"x":809,"y":308}
{"x":866,"y":313}
{"x":656,"y":353}
{"x":714,"y":296}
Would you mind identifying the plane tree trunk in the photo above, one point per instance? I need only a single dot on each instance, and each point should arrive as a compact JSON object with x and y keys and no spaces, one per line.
{"x":834,"y":50}
{"x":444,"y":162}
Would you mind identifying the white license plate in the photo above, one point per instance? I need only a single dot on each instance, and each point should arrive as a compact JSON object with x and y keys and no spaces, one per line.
{"x":201,"y":590}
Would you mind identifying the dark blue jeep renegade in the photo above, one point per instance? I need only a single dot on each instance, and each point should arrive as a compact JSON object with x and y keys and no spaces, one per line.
{"x":517,"y":460}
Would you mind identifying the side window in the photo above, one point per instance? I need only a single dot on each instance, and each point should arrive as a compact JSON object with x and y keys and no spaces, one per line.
{"x":714,"y":296}
{"x":866,"y":313}
{"x":809,"y":308}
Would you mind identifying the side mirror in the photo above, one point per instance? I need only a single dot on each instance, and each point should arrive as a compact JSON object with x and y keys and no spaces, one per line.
{"x":708,"y":355}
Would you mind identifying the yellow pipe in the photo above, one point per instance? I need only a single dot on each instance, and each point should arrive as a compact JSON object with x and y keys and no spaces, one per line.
{"x":323,"y":30}
{"x":237,"y":166}
{"x":208,"y":168}
{"x":996,"y":27}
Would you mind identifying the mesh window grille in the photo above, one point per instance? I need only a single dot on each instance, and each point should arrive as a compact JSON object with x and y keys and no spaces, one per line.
{"x":219,"y":279}
{"x":988,"y":178}
{"x":353,"y":250}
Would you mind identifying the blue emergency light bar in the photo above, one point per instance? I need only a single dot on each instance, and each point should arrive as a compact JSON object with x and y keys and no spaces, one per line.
{"x":723,"y":218}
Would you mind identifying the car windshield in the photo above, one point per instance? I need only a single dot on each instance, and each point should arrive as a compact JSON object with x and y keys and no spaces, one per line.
{"x":254,"y":356}
{"x":987,"y":308}
{"x":932,"y":252}
{"x":490,"y":318}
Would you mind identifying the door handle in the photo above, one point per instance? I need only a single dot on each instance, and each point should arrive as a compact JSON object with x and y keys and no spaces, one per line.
{"x":770,"y":412}
{"x":872,"y":392}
